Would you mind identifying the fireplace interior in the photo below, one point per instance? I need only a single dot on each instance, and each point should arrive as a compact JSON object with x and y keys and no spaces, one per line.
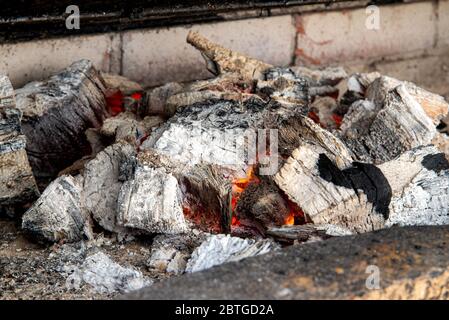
{"x":113,"y":188}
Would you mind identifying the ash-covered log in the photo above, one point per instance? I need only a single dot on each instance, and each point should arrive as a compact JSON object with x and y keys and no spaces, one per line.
{"x":103,"y":179}
{"x":394,"y":117}
{"x":17,"y":184}
{"x":56,"y":114}
{"x":363,"y":197}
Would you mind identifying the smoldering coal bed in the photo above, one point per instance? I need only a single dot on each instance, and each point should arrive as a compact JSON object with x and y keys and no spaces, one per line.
{"x":253,"y":160}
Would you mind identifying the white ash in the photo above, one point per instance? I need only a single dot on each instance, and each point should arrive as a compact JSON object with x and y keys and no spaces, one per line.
{"x":424,"y":202}
{"x":106,"y":276}
{"x":219,"y":249}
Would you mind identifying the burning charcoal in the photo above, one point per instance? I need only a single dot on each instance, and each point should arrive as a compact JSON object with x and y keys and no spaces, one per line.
{"x":219,"y":249}
{"x":59,"y":213}
{"x":156,"y":99}
{"x":17,"y":184}
{"x":117,"y":82}
{"x":263,"y":203}
{"x":151,"y":201}
{"x":106,"y":276}
{"x":57,"y":112}
{"x":205,"y":190}
{"x":399,"y":125}
{"x":103,"y":178}
{"x":220,"y":60}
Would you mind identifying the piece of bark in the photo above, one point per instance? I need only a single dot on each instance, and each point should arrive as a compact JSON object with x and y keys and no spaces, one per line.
{"x":17,"y":183}
{"x":400,"y":124}
{"x":220,"y":59}
{"x":59,"y":213}
{"x":103,"y":178}
{"x":57,"y":112}
{"x":151,"y":201}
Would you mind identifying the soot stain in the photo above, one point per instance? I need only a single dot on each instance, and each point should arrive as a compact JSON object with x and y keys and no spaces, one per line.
{"x":435,"y":162}
{"x":361,"y":176}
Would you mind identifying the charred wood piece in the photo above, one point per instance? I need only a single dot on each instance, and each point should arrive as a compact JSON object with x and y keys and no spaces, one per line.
{"x":220,"y":60}
{"x":17,"y":183}
{"x":59,"y":213}
{"x":57,"y":112}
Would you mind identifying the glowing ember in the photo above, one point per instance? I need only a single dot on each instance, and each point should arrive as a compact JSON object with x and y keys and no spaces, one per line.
{"x":312,"y":115}
{"x":115,"y":103}
{"x":238,"y":185}
{"x":338,"y":119}
{"x":290,"y":220}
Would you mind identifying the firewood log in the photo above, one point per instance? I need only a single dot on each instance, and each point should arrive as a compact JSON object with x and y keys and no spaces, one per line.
{"x":365,"y":197}
{"x":17,"y":184}
{"x":220,"y":59}
{"x":57,"y":112}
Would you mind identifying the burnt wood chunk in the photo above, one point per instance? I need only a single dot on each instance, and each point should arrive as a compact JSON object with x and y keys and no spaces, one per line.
{"x":17,"y":184}
{"x":59,"y":213}
{"x":393,"y":124}
{"x":103,"y":179}
{"x":262,"y":203}
{"x":151,"y":201}
{"x":410,"y":190}
{"x":57,"y":112}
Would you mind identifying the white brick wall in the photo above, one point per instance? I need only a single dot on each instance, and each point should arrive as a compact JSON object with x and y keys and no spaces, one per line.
{"x":335,"y":36}
{"x":443,"y":22}
{"x":35,"y":60}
